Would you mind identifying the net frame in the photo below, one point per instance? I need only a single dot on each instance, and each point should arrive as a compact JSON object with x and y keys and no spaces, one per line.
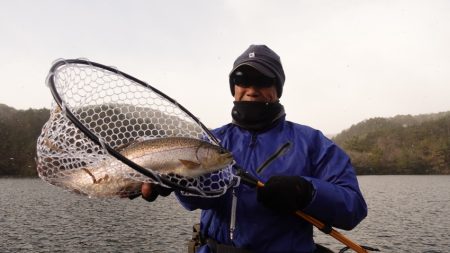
{"x":154,"y":177}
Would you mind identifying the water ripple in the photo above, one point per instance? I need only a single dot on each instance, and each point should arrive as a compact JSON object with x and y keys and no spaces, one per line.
{"x":406,"y":214}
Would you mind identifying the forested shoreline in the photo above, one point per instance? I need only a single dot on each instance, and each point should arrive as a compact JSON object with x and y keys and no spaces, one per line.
{"x":403,"y":144}
{"x":19,"y":130}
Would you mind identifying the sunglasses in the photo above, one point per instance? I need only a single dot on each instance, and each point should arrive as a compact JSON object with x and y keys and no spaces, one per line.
{"x":245,"y":80}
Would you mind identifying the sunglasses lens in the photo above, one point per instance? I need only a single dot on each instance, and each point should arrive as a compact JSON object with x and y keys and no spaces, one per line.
{"x":265,"y":82}
{"x":240,"y":80}
{"x":245,"y":81}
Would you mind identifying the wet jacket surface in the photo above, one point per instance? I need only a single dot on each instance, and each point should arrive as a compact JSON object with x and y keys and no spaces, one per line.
{"x":286,"y":149}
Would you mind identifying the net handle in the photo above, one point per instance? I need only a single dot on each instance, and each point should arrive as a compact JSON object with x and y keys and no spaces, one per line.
{"x":110,"y":150}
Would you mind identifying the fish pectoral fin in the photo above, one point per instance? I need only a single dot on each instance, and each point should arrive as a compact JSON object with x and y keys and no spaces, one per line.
{"x":104,"y":178}
{"x":190,"y":164}
{"x":91,"y":175}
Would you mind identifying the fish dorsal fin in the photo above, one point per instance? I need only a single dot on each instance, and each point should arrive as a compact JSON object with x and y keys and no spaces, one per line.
{"x":120,"y":148}
{"x":190,"y":164}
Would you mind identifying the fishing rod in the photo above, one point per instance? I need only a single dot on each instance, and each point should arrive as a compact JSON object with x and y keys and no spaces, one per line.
{"x":251,"y":181}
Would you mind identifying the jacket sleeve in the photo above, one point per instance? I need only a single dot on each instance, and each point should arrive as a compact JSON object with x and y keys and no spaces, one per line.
{"x":337,"y":200}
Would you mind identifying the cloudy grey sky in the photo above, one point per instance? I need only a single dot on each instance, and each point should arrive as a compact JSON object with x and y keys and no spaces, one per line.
{"x":345,"y":61}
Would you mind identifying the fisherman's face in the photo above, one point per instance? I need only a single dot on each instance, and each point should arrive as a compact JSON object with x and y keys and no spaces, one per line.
{"x":251,"y":85}
{"x":255,"y":93}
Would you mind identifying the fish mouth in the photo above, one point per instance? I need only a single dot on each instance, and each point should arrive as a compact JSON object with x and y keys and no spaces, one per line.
{"x":227,"y":159}
{"x":228,"y":156}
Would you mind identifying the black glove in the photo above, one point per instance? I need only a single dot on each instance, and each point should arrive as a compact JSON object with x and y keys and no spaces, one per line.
{"x":286,"y":194}
{"x":157,"y":190}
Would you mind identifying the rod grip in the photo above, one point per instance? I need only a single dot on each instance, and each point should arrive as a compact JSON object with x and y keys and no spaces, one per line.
{"x":246,"y":178}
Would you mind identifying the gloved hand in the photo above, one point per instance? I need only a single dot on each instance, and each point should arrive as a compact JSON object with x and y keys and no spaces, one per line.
{"x":151,"y":191}
{"x":286,"y":194}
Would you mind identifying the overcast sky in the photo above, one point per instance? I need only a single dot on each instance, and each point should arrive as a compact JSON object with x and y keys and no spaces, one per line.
{"x":345,"y":61}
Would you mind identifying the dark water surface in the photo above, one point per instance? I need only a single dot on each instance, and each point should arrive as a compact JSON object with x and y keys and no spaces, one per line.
{"x":406,"y":214}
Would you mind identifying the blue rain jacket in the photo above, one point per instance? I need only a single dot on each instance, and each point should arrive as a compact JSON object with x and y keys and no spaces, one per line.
{"x":286,"y":149}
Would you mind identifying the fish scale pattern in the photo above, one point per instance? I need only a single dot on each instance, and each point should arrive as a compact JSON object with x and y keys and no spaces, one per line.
{"x":118,"y":110}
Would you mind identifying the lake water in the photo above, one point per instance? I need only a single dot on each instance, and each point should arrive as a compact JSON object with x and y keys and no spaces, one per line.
{"x":406,"y":214}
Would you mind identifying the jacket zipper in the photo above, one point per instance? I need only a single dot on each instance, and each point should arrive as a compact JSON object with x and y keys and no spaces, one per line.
{"x":277,"y":154}
{"x":253,"y":140}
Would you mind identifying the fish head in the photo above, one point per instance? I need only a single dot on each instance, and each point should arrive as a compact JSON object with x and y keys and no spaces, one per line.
{"x":213,"y":157}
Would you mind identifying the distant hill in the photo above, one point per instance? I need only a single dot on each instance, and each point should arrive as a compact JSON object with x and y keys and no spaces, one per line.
{"x":403,"y":144}
{"x":19,"y":130}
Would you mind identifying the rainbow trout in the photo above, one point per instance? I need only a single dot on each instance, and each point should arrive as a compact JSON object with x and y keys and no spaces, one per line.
{"x":182,"y":156}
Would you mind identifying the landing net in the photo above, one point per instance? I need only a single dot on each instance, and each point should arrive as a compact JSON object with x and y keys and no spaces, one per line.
{"x":99,"y":109}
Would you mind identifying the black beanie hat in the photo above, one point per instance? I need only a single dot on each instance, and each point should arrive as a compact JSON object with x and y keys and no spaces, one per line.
{"x":263,"y":59}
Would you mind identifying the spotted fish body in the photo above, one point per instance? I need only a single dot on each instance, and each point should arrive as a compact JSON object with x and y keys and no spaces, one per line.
{"x":183,"y":156}
{"x":186,"y":157}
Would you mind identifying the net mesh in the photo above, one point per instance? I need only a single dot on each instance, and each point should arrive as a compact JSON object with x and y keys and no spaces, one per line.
{"x":118,"y":110}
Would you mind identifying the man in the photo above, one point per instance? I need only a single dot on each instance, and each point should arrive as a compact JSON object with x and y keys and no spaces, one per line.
{"x":303,"y":170}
